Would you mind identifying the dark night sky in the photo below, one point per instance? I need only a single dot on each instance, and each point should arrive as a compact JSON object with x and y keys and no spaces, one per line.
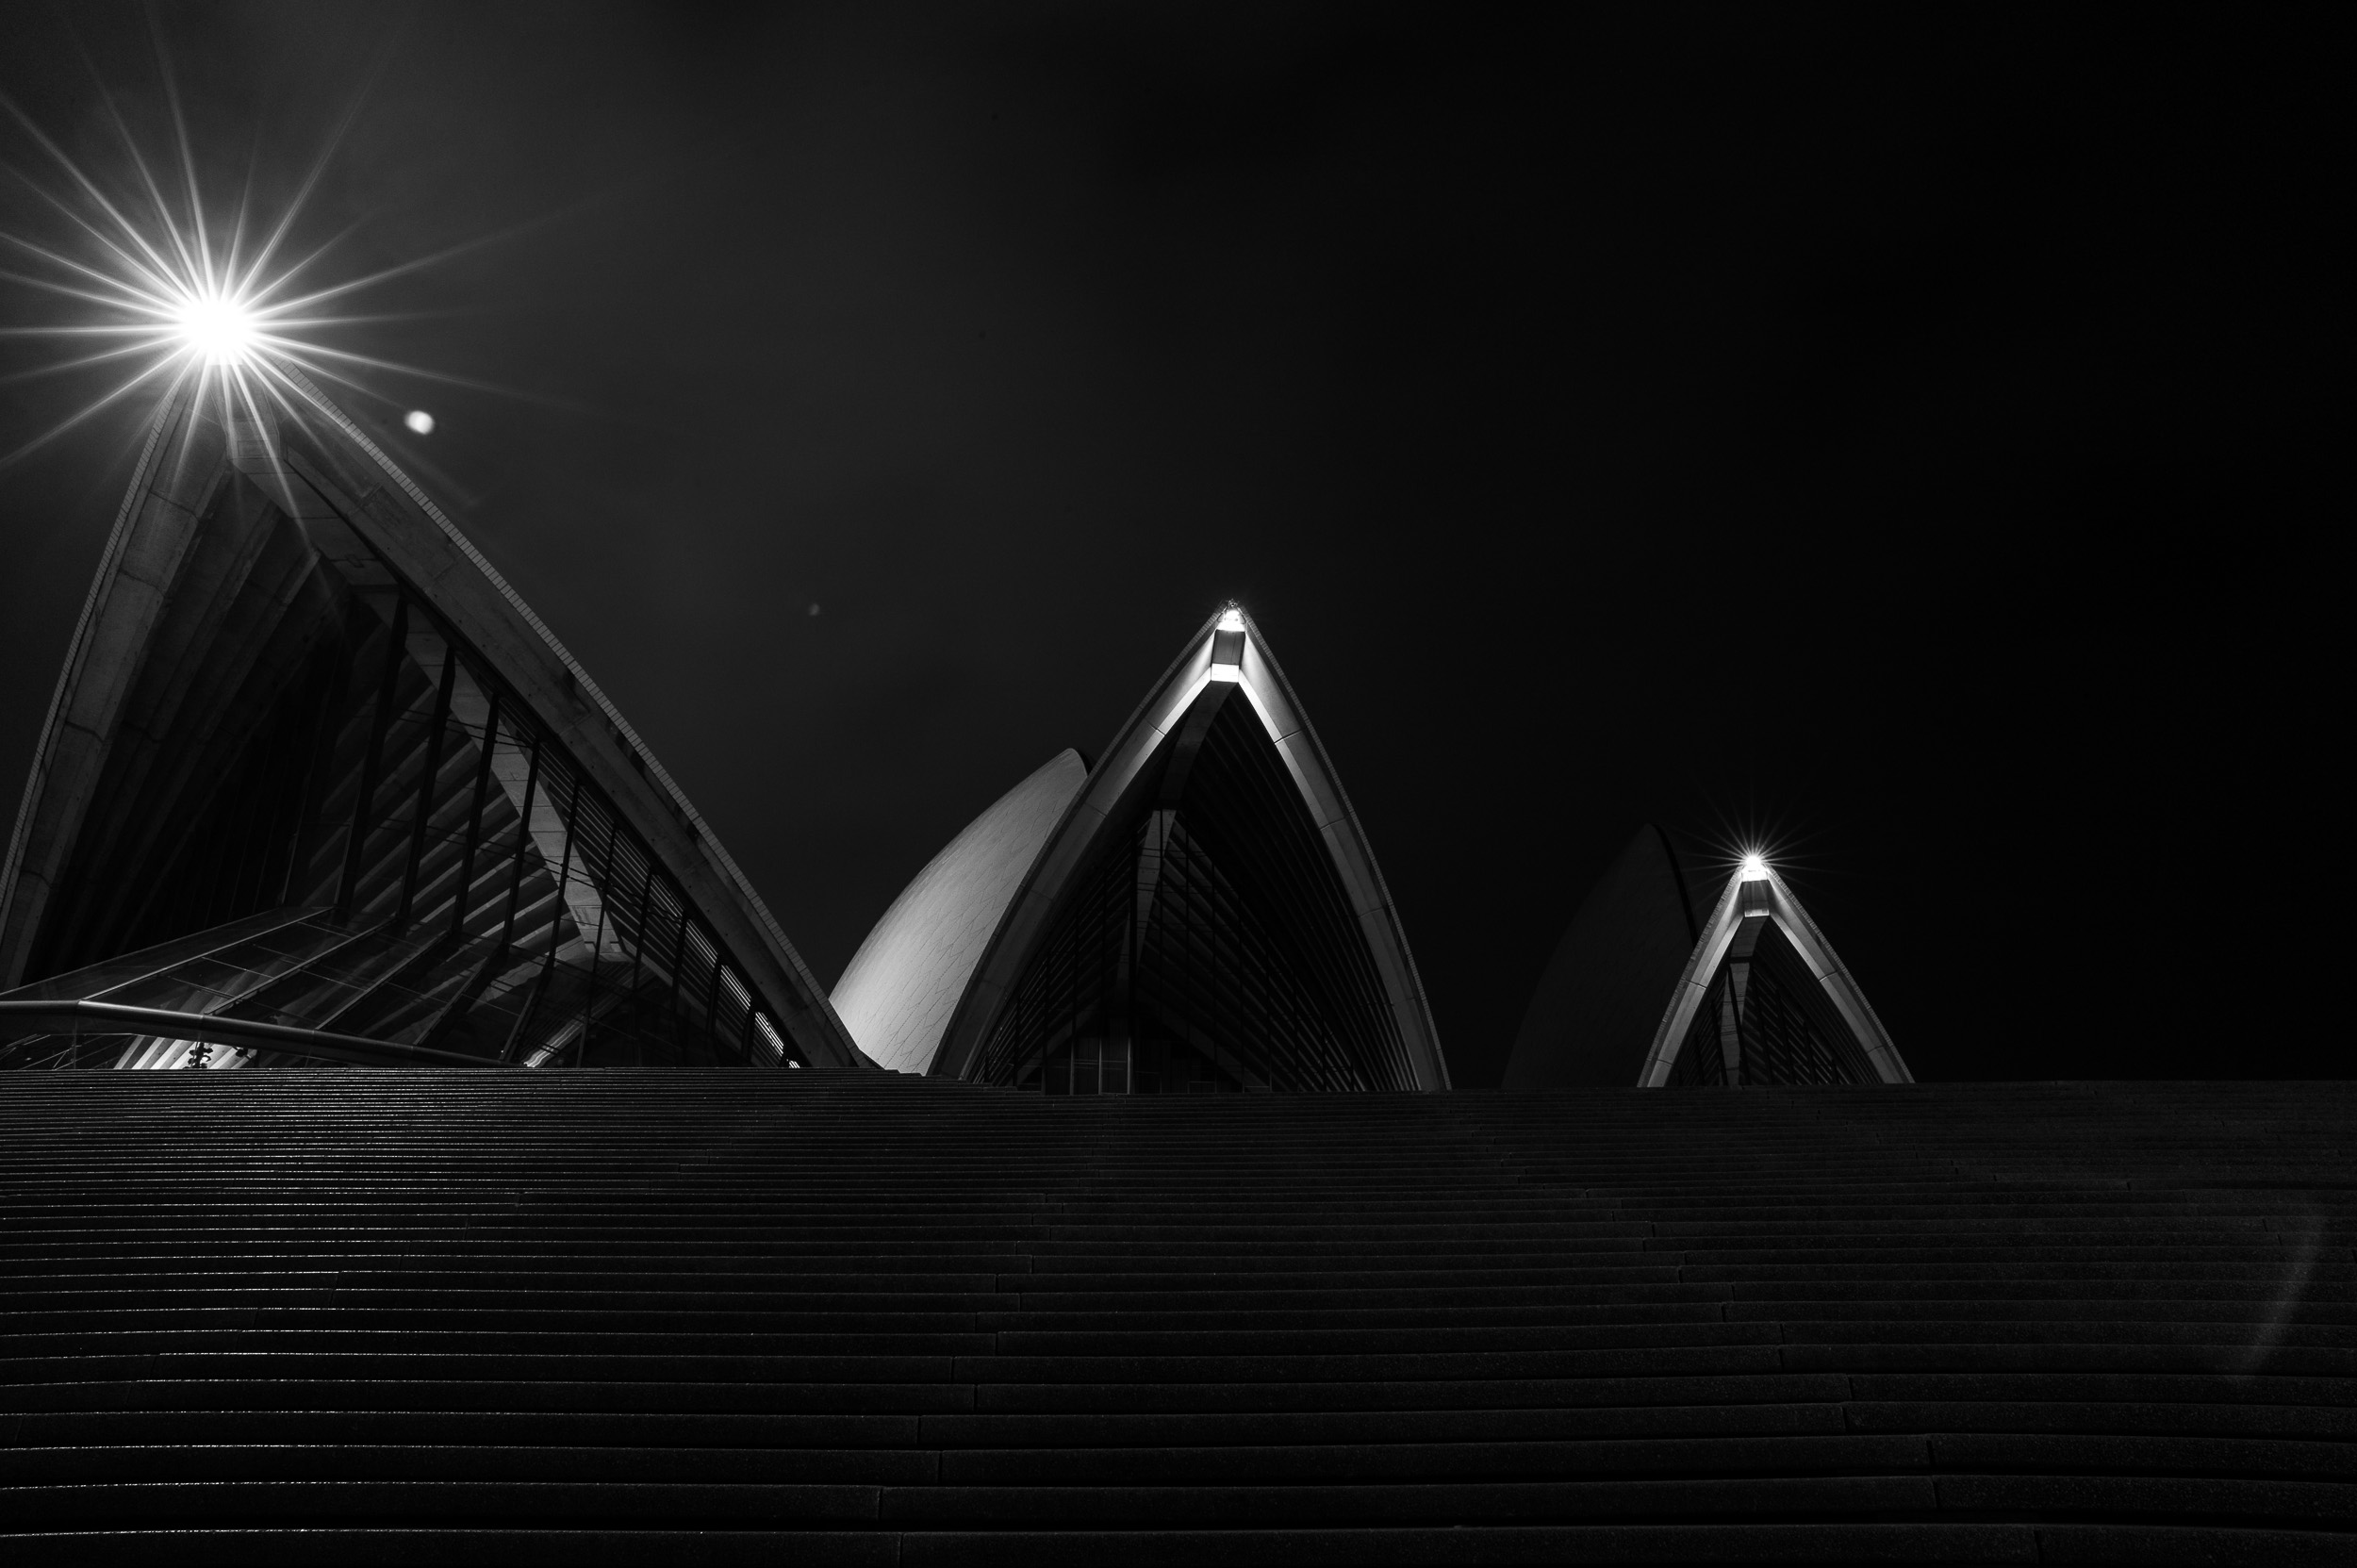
{"x":1873,"y":434}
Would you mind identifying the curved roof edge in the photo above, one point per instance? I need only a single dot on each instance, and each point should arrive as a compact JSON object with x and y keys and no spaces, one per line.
{"x":445,"y":567}
{"x":1719,"y":934}
{"x":71,"y":748}
{"x":1595,"y":1008}
{"x":897,"y":993}
{"x":1071,"y":846}
{"x":627,"y":766}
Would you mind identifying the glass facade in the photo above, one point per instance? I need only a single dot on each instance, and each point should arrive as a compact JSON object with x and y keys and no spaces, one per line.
{"x":1766,"y":1019}
{"x":1210,"y":947}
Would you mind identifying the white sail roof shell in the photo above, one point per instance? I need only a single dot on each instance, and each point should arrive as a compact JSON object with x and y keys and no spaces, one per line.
{"x":900,"y":989}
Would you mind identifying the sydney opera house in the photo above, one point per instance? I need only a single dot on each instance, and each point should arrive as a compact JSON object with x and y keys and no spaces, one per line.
{"x":1163,"y":1236}
{"x":318,"y":787}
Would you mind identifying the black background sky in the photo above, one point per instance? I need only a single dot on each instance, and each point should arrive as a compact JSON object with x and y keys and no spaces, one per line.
{"x":1865,"y":431}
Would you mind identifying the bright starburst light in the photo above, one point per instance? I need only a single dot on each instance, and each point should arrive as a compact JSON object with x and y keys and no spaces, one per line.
{"x":220,"y":329}
{"x":183,"y":298}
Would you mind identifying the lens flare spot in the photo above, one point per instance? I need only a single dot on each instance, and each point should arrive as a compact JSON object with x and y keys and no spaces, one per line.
{"x":418,"y":421}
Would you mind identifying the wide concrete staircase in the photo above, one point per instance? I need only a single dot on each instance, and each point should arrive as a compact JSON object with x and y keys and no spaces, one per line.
{"x":799,"y":1317}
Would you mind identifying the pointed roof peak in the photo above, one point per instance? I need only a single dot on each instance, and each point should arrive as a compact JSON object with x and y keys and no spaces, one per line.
{"x":1828,"y":1033}
{"x":1220,"y":740}
{"x":1672,"y":949}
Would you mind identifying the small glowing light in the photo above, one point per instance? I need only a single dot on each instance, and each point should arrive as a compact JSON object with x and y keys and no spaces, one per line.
{"x":217,"y":327}
{"x":418,"y":421}
{"x":1231,"y":618}
{"x":1754,"y":867}
{"x":814,"y":609}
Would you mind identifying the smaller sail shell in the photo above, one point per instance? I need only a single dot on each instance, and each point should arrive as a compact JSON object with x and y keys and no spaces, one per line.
{"x":1657,"y":982}
{"x":1827,"y":1011}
